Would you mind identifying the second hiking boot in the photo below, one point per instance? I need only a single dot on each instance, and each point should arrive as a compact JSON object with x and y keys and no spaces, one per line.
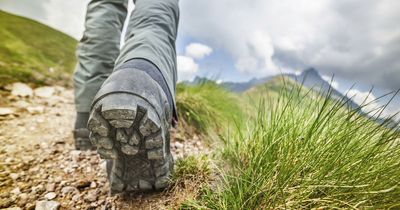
{"x":129,"y":123}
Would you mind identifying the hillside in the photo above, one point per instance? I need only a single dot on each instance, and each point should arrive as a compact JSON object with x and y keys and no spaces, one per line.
{"x":33,"y":52}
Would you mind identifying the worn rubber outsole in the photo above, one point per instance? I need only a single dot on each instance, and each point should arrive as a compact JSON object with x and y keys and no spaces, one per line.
{"x":127,"y":130}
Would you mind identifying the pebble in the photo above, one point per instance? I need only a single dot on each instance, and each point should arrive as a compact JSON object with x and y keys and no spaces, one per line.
{"x":21,"y":89}
{"x":50,"y":187}
{"x":93,"y":185}
{"x":16,"y":191}
{"x":35,"y":109}
{"x":37,"y":189}
{"x":21,"y":104}
{"x":91,"y":196}
{"x":23,"y":198}
{"x":47,"y":205}
{"x":44,"y":92}
{"x":4,"y":111}
{"x":76,"y":198}
{"x":178,"y":145}
{"x":14,"y":176}
{"x":9,"y":160}
{"x":58,"y":179}
{"x":69,"y":189}
{"x":50,"y":195}
{"x":83,"y":184}
{"x":75,"y":155}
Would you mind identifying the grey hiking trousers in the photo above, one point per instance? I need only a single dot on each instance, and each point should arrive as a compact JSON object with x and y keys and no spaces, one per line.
{"x":151,"y":35}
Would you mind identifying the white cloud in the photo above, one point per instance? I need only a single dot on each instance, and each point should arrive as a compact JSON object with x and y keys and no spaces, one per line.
{"x":368,"y":101}
{"x":198,"y":51}
{"x":52,"y":13}
{"x":187,"y":68}
{"x":356,"y":39}
{"x":256,"y":57}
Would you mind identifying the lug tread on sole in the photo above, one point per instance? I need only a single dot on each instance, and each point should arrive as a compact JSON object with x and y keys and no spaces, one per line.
{"x":134,"y":138}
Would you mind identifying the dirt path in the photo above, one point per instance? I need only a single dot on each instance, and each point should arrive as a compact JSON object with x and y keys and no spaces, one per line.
{"x":38,"y":161}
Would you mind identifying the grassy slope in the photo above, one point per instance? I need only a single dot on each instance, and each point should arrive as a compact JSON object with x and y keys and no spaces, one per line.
{"x":33,"y":52}
{"x":303,"y":150}
{"x":207,"y":107}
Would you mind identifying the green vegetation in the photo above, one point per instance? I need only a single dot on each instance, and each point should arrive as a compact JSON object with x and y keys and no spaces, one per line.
{"x":207,"y":107}
{"x":304,"y":150}
{"x":33,"y":52}
{"x":192,"y":168}
{"x":191,"y":175}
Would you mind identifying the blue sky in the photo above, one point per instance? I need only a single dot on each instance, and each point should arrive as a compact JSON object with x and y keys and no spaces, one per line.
{"x":217,"y":65}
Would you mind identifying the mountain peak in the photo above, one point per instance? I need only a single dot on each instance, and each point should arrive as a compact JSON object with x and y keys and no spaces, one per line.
{"x":310,"y":72}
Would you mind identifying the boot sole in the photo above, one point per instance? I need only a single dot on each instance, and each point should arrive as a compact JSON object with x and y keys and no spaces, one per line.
{"x":127,"y":130}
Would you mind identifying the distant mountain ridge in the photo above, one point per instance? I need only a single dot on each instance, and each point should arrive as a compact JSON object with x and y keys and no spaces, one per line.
{"x":309,"y":78}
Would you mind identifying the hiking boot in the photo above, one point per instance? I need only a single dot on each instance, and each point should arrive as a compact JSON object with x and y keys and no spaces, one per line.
{"x":81,"y":133}
{"x":129,"y":123}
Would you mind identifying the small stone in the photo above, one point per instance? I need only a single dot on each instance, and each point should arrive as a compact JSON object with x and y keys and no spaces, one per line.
{"x":93,"y":185}
{"x":83,"y":184}
{"x":35,"y":109}
{"x":4,"y":111}
{"x":76,"y":198}
{"x":13,"y":208}
{"x":91,"y":196}
{"x":21,"y":104}
{"x":9,"y":160}
{"x":58,"y":179}
{"x":14,"y":176}
{"x":37,"y":189}
{"x":59,"y":89}
{"x":47,"y":205}
{"x":21,"y":89}
{"x":30,"y":206}
{"x":16,"y":191}
{"x":178,"y":145}
{"x":40,"y":120}
{"x":50,"y":195}
{"x":23,"y":198}
{"x":63,"y":183}
{"x":44,"y":92}
{"x":76,"y":155}
{"x":68,"y":189}
{"x":50,"y":187}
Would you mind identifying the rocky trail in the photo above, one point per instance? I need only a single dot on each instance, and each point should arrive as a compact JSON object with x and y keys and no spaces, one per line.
{"x":39,"y":168}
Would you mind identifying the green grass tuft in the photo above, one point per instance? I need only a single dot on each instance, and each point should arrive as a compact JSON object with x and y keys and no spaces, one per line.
{"x":304,"y":150}
{"x":191,"y":167}
{"x":191,"y":176}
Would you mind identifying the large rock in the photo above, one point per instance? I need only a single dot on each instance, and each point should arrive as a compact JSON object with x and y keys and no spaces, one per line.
{"x":44,"y":92}
{"x":47,"y":205}
{"x":21,"y":89}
